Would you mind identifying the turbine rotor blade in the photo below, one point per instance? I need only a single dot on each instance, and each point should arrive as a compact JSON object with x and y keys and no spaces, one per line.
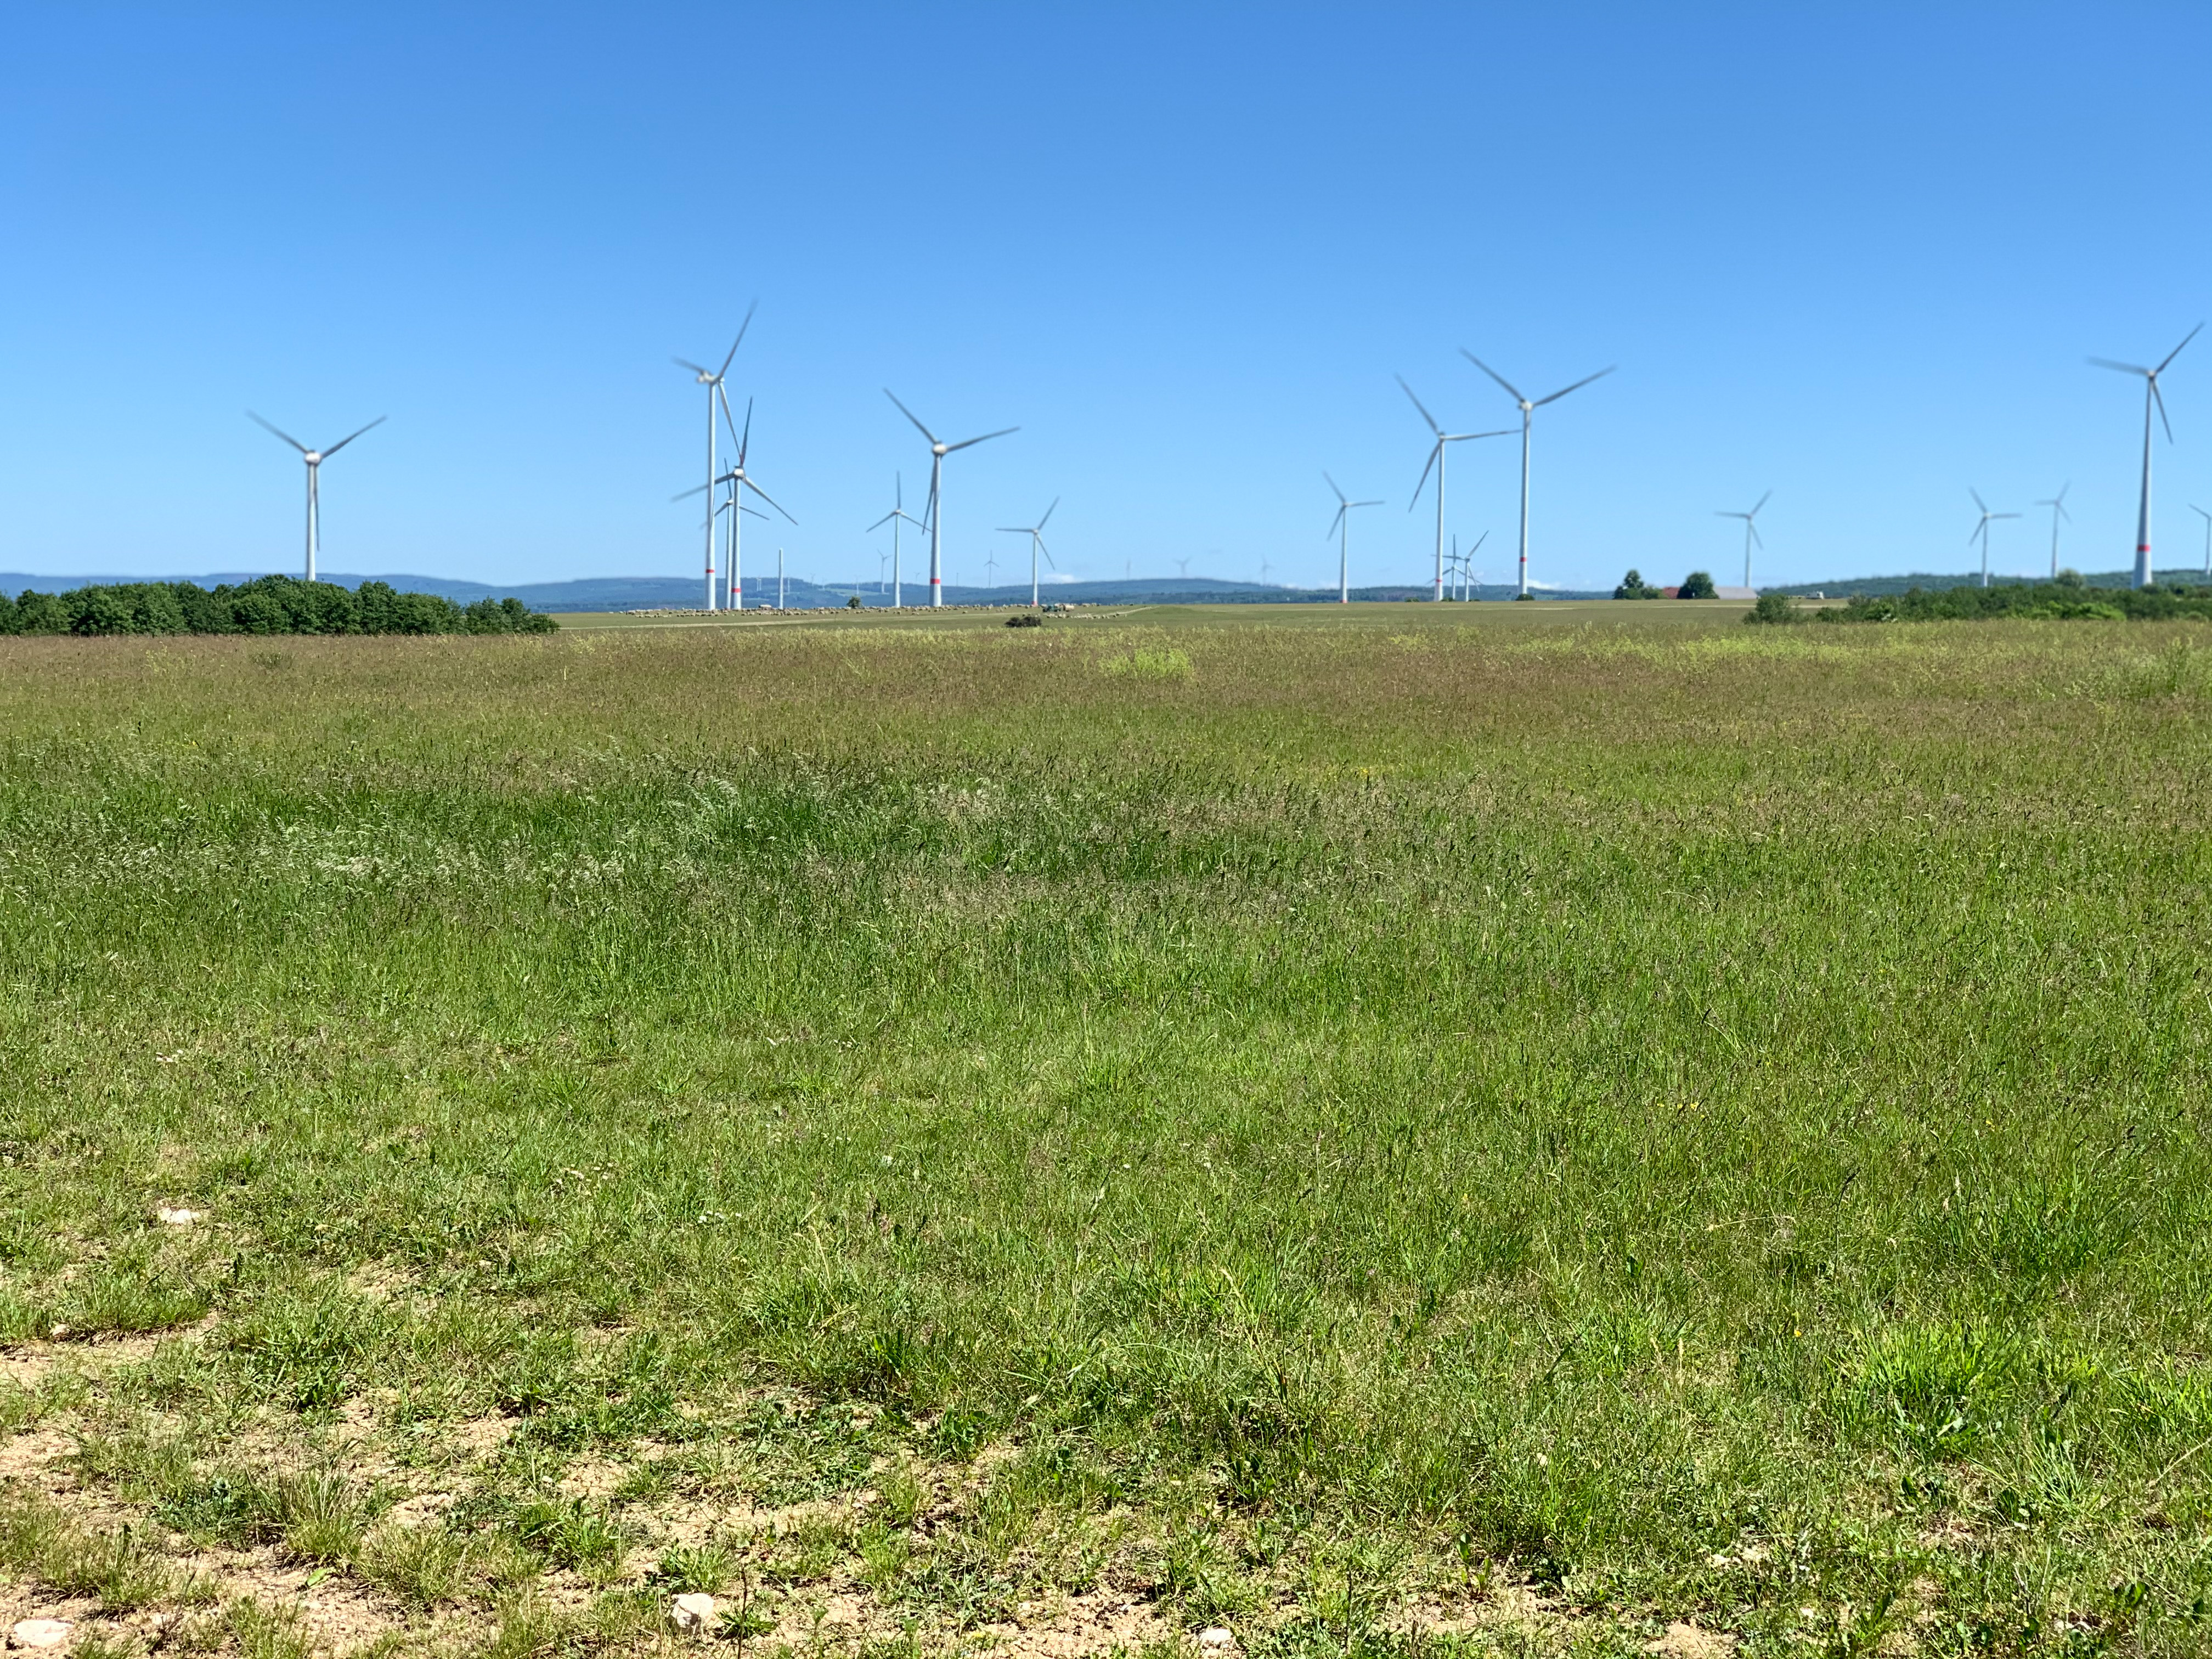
{"x":1425,"y":416}
{"x":1576,"y":386}
{"x":351,"y":436}
{"x":1763,"y":500}
{"x":1046,"y":520}
{"x":685,"y":362}
{"x":1463,"y":437}
{"x":911,"y":415}
{"x":968,"y":443}
{"x":2159,"y":397}
{"x":1514,"y":390}
{"x":1333,"y":490}
{"x":1436,"y":449}
{"x":2176,"y":352}
{"x":695,"y":490}
{"x":879,"y":524}
{"x":769,"y":499}
{"x":1978,"y":501}
{"x":740,"y":341}
{"x":2124,"y":368}
{"x":279,"y":431}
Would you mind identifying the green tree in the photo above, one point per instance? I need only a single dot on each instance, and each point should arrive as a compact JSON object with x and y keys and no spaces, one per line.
{"x":1697,"y":585}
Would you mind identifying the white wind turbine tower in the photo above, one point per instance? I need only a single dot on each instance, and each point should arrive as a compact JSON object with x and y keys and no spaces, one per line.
{"x":2207,"y":517}
{"x":1750,"y":531}
{"x":739,"y":480}
{"x":1341,"y":527}
{"x":2058,"y":506}
{"x":1437,"y":461}
{"x":1528,"y":411}
{"x":712,"y":380}
{"x":2151,"y":395}
{"x":314,"y":458}
{"x":935,"y":510}
{"x":1035,"y":534}
{"x":1982,"y":530}
{"x":894,"y":518}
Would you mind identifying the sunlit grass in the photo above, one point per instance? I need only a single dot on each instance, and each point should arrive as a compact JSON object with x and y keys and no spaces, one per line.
{"x":1299,"y":1118}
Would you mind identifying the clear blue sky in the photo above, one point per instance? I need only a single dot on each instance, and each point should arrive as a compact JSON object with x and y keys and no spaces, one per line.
{"x":1856,"y":255}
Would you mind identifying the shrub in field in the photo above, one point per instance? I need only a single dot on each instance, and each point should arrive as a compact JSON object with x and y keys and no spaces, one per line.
{"x":267,"y":605}
{"x":2058,"y":600}
{"x":1772,"y":607}
{"x":1633,"y":587}
{"x":1697,"y":585}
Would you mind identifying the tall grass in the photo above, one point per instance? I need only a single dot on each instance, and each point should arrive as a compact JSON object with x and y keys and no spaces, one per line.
{"x":1710,"y":1120}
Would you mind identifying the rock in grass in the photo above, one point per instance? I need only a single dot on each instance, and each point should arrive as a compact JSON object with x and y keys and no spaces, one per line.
{"x":179,"y":1217}
{"x":1214,"y":1639}
{"x":41,"y":1633}
{"x":693,"y":1614}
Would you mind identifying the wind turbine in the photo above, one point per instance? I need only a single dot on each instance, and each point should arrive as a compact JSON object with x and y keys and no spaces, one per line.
{"x":2207,"y":517}
{"x":1463,"y":563}
{"x":935,"y":510}
{"x":893,"y":517}
{"x":1982,"y":530}
{"x":2058,"y":506}
{"x":712,"y":380}
{"x":2151,"y":395}
{"x":990,"y":567}
{"x":1341,"y":527}
{"x":1035,"y":534}
{"x":1750,"y":531}
{"x":1183,"y":566}
{"x":1437,"y":461}
{"x":739,"y":480}
{"x":314,"y":458}
{"x":1528,"y":411}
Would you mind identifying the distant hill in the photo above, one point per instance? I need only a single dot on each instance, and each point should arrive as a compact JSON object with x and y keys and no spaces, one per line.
{"x":684,"y":592}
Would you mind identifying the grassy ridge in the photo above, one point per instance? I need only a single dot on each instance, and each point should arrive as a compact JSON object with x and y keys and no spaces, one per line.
{"x":1707,"y":1123}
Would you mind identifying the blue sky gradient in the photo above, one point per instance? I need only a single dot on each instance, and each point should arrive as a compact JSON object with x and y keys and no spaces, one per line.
{"x":1854,"y":255}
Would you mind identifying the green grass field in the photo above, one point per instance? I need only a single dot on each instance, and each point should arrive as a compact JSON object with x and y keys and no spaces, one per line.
{"x":1524,"y":1130}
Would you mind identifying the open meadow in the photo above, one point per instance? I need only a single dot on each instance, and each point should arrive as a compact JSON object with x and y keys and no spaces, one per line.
{"x":1425,"y":1131}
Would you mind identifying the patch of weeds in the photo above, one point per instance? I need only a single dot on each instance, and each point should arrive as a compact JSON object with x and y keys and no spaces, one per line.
{"x":900,"y":1493}
{"x":797,"y":1455}
{"x":683,"y":1569}
{"x":264,"y":1632}
{"x":138,"y":1289}
{"x":420,"y":1566}
{"x":323,"y":1515}
{"x":307,"y":1348}
{"x":644,"y":1482}
{"x":808,"y":1549}
{"x":104,"y":1644}
{"x":529,"y":1627}
{"x":577,"y":1534}
{"x":40,"y":1540}
{"x":884,"y":1552}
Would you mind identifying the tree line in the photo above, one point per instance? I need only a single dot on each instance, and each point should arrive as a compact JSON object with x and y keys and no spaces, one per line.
{"x":267,"y":605}
{"x":2069,"y":599}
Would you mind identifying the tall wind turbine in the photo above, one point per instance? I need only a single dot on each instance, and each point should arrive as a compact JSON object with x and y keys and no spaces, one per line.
{"x":1982,"y":530}
{"x":2150,"y":396}
{"x":712,"y":380}
{"x":1464,"y":563}
{"x":935,"y":511}
{"x":1035,"y":534}
{"x":1341,"y":527}
{"x":314,"y":458}
{"x":739,"y":480}
{"x":1527,"y":411}
{"x":1437,"y":461}
{"x":2058,"y":506}
{"x":1750,"y":531}
{"x":897,"y":514}
{"x":2207,"y":517}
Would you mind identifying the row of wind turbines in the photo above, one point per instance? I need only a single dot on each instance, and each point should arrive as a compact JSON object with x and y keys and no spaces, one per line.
{"x":736,"y":481}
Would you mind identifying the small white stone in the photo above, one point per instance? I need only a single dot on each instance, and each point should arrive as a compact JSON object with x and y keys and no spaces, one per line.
{"x":41,"y":1633}
{"x":692,"y":1614}
{"x":179,"y":1217}
{"x":1214,"y":1639}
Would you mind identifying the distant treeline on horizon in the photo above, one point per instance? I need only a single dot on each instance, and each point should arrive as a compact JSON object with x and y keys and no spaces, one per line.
{"x":266,"y":604}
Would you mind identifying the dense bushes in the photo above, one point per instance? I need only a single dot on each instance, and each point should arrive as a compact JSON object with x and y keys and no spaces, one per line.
{"x":2060,"y":600}
{"x":267,"y":605}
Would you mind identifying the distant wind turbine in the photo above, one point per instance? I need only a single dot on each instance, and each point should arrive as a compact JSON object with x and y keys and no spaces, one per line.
{"x":1436,"y":462}
{"x":712,"y":380}
{"x":1750,"y":531}
{"x":2151,"y":395}
{"x":897,"y":515}
{"x":2058,"y":506}
{"x":314,"y":458}
{"x":1341,"y":527}
{"x":1183,"y":566}
{"x":935,"y":510}
{"x":1035,"y":534}
{"x":2207,"y":517}
{"x":1982,"y":530}
{"x":1528,"y":411}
